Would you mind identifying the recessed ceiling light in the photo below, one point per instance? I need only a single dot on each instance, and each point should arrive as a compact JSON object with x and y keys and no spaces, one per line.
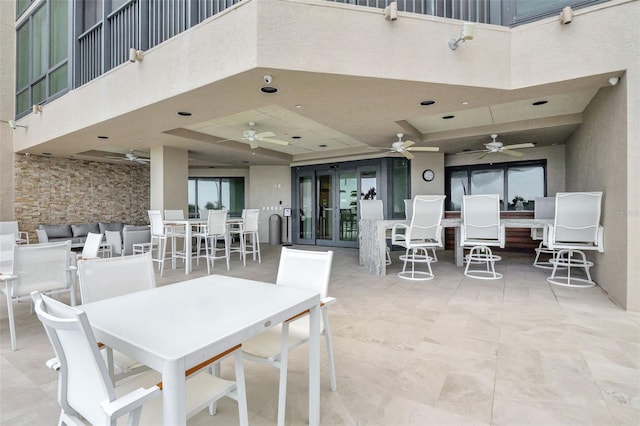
{"x":536,"y":103}
{"x":427,"y":103}
{"x":465,"y":102}
{"x":296,"y":137}
{"x":184,"y":113}
{"x":448,"y":117}
{"x":324,"y":145}
{"x":103,"y":137}
{"x":298,"y":106}
{"x":269,"y":89}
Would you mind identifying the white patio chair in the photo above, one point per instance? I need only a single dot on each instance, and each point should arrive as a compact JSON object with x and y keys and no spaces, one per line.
{"x":247,"y":233}
{"x":302,"y":269}
{"x":86,"y":392}
{"x":91,"y":246}
{"x":576,"y":229}
{"x":408,"y":215}
{"x":114,"y":240}
{"x":38,"y":267}
{"x":215,"y":230}
{"x":11,"y":227}
{"x":104,"y":278}
{"x":7,"y":241}
{"x":544,"y":208}
{"x":175,"y":231}
{"x":480,"y":230}
{"x":423,"y":234}
{"x":160,"y":234}
{"x":374,"y":210}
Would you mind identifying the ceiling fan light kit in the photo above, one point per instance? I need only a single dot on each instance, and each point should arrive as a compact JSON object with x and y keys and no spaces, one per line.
{"x":403,"y":147}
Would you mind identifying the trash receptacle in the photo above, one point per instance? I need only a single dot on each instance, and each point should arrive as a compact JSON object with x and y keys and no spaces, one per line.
{"x":275,"y":229}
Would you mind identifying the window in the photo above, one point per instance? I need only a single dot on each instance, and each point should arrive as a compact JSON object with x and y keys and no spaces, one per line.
{"x":520,"y":181}
{"x":215,"y":194}
{"x":42,"y":70}
{"x":400,"y":185}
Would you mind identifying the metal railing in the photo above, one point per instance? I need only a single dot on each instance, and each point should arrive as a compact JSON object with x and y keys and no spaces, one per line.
{"x":467,"y":10}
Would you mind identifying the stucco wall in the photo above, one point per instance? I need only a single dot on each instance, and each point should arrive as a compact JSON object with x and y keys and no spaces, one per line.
{"x":56,"y":191}
{"x":268,"y":186}
{"x":7,"y":94}
{"x":596,"y":161}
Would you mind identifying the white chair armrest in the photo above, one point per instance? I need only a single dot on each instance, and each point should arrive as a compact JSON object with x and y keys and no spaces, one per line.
{"x":395,"y":235}
{"x":7,"y":277}
{"x":24,"y":236}
{"x":600,"y":241}
{"x":327,"y":301}
{"x":130,"y":402}
{"x":53,"y":364}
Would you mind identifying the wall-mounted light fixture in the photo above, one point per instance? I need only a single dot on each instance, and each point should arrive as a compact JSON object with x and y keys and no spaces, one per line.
{"x":468,"y":30}
{"x":614,"y":80}
{"x":14,"y":125}
{"x":566,"y":16}
{"x":391,"y":11}
{"x":135,"y":55}
{"x":37,"y":109}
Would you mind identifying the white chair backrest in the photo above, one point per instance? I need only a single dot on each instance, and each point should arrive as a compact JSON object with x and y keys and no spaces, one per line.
{"x":10,"y":227}
{"x":91,"y":246}
{"x":427,"y":215}
{"x":84,"y":382}
{"x":174,"y":214}
{"x":250,"y":220}
{"x":577,"y":216}
{"x":544,"y":208}
{"x":7,"y":241}
{"x":217,"y":222}
{"x":157,"y":225}
{"x":408,"y":208}
{"x":41,"y":267}
{"x":305,"y":269}
{"x":114,"y":239}
{"x":371,"y":209}
{"x":204,"y":213}
{"x":481,"y":216}
{"x":115,"y":276}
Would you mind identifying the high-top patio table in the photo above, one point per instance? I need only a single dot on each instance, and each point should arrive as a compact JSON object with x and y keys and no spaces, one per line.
{"x":373,"y":239}
{"x":176,"y":327}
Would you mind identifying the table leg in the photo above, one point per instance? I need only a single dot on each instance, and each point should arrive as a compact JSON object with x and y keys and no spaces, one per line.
{"x":314,"y":366}
{"x":187,"y":249}
{"x":458,"y":251}
{"x":174,"y":393}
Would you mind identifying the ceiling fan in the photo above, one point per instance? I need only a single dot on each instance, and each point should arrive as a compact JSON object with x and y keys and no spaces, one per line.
{"x":403,"y":147}
{"x":130,"y":156}
{"x":254,"y":137}
{"x":496,"y":146}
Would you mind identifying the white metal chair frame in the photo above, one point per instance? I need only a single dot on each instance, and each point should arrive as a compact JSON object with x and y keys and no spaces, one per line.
{"x":423,"y":234}
{"x":247,"y":232}
{"x":408,"y":215}
{"x":576,"y":228}
{"x":481,"y":229}
{"x":544,"y":209}
{"x":215,"y":230}
{"x":86,"y":392}
{"x":11,"y":227}
{"x":374,"y":210}
{"x":38,"y":267}
{"x":302,"y":269}
{"x":160,"y":235}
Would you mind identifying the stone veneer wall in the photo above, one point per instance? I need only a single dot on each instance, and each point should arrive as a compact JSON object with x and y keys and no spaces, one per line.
{"x":57,"y":190}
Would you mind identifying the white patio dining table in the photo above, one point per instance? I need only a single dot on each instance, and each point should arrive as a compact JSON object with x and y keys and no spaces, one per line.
{"x":176,"y":327}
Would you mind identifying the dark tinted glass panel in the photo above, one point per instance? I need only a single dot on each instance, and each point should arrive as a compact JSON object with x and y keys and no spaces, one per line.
{"x":58,"y":31}
{"x":58,"y":80}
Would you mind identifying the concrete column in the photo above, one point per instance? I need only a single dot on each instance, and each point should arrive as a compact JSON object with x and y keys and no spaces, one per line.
{"x":169,"y":178}
{"x":7,"y":111}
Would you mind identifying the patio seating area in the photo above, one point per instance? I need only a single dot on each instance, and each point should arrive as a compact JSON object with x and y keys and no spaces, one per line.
{"x":449,"y":351}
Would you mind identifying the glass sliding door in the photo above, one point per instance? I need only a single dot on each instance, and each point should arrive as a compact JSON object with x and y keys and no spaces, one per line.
{"x":348,"y":194}
{"x":324,"y":208}
{"x":304,"y":215}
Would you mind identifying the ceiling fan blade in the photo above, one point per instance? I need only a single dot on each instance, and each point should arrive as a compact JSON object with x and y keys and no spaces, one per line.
{"x":264,"y":135}
{"x":519,"y":146}
{"x":113,"y":157}
{"x":510,"y":152}
{"x":425,"y":148}
{"x":484,"y":155}
{"x":407,"y":154}
{"x":253,"y":144}
{"x":276,"y":141}
{"x":471,"y":152}
{"x":407,"y":144}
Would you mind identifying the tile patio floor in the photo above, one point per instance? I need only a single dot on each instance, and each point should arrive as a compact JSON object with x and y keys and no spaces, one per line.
{"x":452,"y":351}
